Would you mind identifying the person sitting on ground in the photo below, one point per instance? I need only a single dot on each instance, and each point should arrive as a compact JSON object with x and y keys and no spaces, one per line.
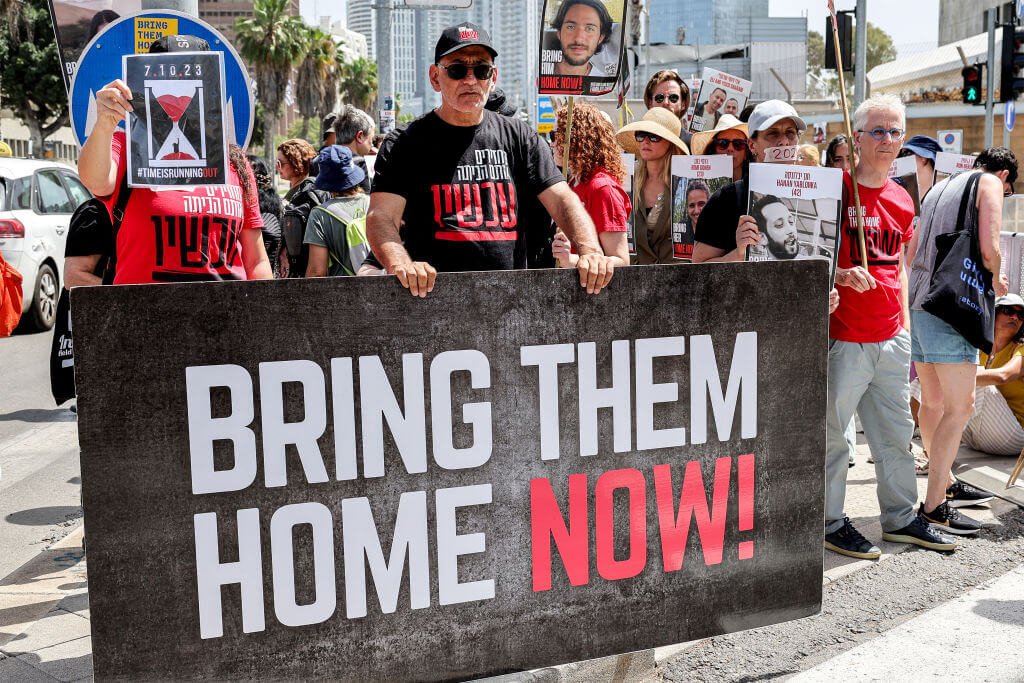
{"x":147,"y":251}
{"x":271,"y":210}
{"x":654,"y":140}
{"x":997,"y":425}
{"x":336,"y":232}
{"x":293,"y":165}
{"x":595,"y":174}
{"x":353,"y":128}
{"x":837,"y":154}
{"x":728,"y":137}
{"x":924,"y":150}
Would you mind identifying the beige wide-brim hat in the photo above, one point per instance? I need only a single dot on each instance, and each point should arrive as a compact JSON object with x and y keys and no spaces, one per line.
{"x":700,"y":141}
{"x":659,"y":121}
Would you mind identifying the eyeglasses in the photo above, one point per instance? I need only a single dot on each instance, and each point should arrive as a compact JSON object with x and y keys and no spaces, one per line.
{"x":660,"y":97}
{"x":1012,"y":312}
{"x":280,"y":164}
{"x":458,"y":71}
{"x":722,"y":145}
{"x":640,"y":136}
{"x":879,"y":133}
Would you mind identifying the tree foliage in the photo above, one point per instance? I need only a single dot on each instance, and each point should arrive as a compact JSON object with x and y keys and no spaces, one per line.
{"x":30,"y":74}
{"x":359,"y":83}
{"x":272,"y":41}
{"x":825,"y":83}
{"x":316,"y":85}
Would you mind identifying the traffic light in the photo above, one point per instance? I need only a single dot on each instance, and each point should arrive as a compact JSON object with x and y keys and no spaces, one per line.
{"x":1011,"y":81}
{"x":972,"y":84}
{"x":844,"y":22}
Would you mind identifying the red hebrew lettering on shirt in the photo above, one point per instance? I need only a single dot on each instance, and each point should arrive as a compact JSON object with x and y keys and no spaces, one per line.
{"x":480,"y":204}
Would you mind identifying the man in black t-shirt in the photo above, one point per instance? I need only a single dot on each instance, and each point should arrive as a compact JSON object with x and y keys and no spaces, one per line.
{"x":457,"y":177}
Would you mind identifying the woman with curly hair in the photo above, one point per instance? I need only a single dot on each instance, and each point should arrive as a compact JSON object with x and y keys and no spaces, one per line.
{"x":271,"y":209}
{"x":293,"y":164}
{"x":595,"y":174}
{"x":654,"y":140}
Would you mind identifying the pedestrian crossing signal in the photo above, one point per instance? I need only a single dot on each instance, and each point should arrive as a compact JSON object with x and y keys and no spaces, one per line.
{"x":972,"y":84}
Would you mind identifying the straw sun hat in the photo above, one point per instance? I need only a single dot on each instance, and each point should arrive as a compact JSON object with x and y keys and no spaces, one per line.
{"x":701,"y":141}
{"x":659,"y":121}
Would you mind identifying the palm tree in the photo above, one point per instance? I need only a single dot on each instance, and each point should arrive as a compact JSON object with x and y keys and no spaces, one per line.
{"x":359,"y":83}
{"x":315,"y":77}
{"x":272,"y":42}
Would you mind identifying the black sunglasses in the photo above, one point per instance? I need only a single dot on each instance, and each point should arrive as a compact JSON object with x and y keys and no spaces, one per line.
{"x":723,"y":145}
{"x":660,"y":97}
{"x":1012,"y":311}
{"x":458,"y":71}
{"x":640,"y":136}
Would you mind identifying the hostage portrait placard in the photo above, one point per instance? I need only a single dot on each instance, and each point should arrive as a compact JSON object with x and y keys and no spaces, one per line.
{"x":77,"y":22}
{"x":581,"y":45}
{"x":506,"y":475}
{"x":176,"y":131}
{"x":947,"y":164}
{"x":797,"y":211}
{"x":694,"y":180}
{"x":720,"y":93}
{"x":904,"y":171}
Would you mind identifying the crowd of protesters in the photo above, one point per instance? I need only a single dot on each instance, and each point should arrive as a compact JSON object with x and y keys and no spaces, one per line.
{"x":420,"y":215}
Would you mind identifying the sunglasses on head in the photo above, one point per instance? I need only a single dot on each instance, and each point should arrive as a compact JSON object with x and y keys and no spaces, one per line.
{"x":458,"y":71}
{"x":723,"y":145}
{"x":1012,"y":311}
{"x":640,"y":136}
{"x":660,"y":97}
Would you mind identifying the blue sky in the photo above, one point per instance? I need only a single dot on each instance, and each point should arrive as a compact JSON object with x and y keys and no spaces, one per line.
{"x":913,"y":24}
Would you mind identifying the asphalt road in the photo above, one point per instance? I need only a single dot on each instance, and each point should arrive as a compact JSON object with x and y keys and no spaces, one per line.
{"x":39,"y":470}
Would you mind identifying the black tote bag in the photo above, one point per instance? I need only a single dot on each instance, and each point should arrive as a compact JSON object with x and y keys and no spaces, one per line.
{"x":960,"y":291}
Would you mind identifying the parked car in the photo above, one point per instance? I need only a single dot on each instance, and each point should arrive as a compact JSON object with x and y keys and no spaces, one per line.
{"x":37,"y":198}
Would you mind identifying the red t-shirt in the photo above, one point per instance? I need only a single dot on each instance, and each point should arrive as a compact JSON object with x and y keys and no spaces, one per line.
{"x":606,"y":201}
{"x":181,"y":235}
{"x":874,"y":315}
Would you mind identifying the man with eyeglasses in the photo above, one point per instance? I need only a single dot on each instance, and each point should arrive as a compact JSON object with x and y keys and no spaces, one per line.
{"x":449,"y":186}
{"x":869,"y":347}
{"x":947,"y":363}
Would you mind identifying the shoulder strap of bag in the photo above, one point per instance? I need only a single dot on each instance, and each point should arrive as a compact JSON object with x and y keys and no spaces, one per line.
{"x":965,"y":200}
{"x":124,"y":193}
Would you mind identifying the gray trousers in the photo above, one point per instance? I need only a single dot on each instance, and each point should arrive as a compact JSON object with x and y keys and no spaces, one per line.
{"x":873,"y":381}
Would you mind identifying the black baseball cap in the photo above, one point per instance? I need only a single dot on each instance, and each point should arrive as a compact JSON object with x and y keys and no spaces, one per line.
{"x":179,"y":44}
{"x":459,"y":36}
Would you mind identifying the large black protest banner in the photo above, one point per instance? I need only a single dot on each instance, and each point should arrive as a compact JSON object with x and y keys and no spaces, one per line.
{"x":505,"y":475}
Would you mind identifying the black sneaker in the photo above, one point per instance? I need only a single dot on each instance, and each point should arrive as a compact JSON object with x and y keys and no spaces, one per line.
{"x":846,"y":540}
{"x":920,"y":533}
{"x":949,"y":520}
{"x":961,"y":495}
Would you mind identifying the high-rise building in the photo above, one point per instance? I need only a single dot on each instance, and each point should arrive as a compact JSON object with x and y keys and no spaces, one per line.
{"x":959,"y":19}
{"x":705,"y":21}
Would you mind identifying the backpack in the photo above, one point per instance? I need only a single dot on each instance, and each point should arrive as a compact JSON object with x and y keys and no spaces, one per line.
{"x":355,"y":238}
{"x":11,"y":298}
{"x":293,"y":222}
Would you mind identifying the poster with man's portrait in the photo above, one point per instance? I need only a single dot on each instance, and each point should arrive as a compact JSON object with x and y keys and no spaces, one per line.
{"x":904,"y":172}
{"x":694,"y":180}
{"x":581,"y":46}
{"x":720,"y":93}
{"x":76,"y":22}
{"x":629,"y":161}
{"x":797,"y":211}
{"x":175,"y":131}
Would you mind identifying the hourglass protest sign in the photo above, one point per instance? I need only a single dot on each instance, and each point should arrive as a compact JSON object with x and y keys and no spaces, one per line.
{"x":176,"y":132}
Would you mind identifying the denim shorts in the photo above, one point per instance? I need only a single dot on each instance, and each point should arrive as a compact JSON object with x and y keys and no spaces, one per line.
{"x":933,"y":340}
